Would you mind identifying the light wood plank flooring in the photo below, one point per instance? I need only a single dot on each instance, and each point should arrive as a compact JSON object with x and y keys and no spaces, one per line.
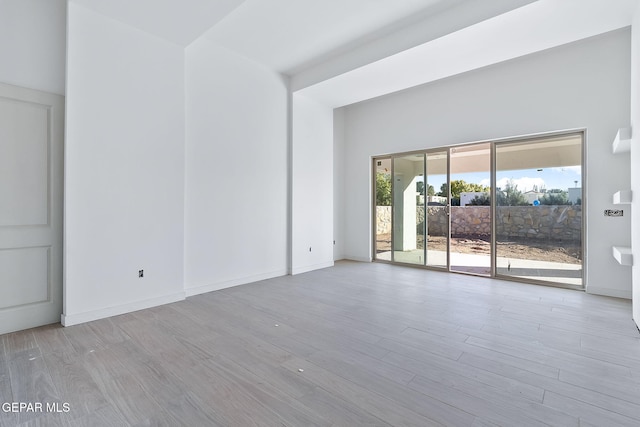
{"x":357,"y":344}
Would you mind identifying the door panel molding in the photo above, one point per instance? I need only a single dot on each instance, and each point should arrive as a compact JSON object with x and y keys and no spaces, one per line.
{"x":31,"y":220}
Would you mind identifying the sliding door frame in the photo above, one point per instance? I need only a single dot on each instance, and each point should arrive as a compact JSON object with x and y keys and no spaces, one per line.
{"x":493,"y":197}
{"x":374,"y":171}
{"x":583,"y":243}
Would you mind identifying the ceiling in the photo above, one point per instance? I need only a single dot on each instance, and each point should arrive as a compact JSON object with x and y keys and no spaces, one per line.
{"x":284,"y":35}
{"x":344,"y":51}
{"x":177,"y":21}
{"x":537,"y":26}
{"x":289,"y":35}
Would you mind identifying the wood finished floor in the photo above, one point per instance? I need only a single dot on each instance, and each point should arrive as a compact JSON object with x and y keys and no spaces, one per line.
{"x":357,"y":344}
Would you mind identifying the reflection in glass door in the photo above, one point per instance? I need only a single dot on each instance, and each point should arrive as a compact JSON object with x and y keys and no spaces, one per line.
{"x":408,"y":209}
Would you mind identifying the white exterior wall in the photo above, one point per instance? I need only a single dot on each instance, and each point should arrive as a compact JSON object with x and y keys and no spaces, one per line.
{"x":236,"y":170}
{"x":558,"y":89}
{"x":124,"y":169}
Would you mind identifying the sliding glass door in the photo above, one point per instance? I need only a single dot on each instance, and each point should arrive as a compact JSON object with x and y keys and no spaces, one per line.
{"x":538,"y":212}
{"x":508,"y":209}
{"x":437,"y":209}
{"x":411,"y":218}
{"x":470,"y":242}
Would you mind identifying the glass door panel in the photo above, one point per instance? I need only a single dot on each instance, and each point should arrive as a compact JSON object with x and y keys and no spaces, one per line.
{"x":437,"y":191}
{"x":539,"y":209}
{"x":382,"y":249}
{"x":408,"y":209}
{"x":470,"y":178}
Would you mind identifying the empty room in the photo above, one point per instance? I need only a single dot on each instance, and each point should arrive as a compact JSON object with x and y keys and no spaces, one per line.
{"x":332,"y":213}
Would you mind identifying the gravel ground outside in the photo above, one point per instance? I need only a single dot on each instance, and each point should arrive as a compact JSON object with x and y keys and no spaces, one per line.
{"x":569,"y":253}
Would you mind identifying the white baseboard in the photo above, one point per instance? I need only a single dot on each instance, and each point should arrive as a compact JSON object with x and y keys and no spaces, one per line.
{"x":307,"y":268}
{"x":203,"y":289}
{"x":616,"y":293}
{"x":357,"y":258}
{"x":88,"y":316}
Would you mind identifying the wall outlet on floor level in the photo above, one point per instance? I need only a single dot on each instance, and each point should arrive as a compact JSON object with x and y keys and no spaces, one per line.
{"x":140,"y":273}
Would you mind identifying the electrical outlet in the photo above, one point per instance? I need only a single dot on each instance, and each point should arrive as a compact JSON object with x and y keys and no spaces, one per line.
{"x":140,"y":273}
{"x":309,"y":248}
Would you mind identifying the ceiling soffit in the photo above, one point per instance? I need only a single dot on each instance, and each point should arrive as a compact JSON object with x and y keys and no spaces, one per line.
{"x":180,"y":22}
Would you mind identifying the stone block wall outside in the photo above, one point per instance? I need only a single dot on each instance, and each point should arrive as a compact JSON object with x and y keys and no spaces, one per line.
{"x":383,"y":223}
{"x":545,"y":222}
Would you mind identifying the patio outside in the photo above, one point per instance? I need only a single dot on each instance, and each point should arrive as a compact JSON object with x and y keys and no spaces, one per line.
{"x":471,"y":254}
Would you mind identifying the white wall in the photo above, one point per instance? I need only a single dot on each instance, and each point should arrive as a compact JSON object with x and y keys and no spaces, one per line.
{"x":582,"y":85}
{"x":635,"y":160}
{"x":338,"y":183}
{"x":33,"y":43}
{"x":124,"y":159}
{"x":236,"y":205}
{"x":312,"y":186}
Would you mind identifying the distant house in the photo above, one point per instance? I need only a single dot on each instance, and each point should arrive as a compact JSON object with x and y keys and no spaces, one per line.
{"x":531,"y":196}
{"x":467,"y":196}
{"x":437,"y":201}
{"x":574,"y":195}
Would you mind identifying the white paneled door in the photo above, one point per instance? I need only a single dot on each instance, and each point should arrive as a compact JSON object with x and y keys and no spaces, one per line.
{"x":31,"y":180}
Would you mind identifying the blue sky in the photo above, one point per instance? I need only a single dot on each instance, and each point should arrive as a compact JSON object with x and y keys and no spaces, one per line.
{"x":549,"y":178}
{"x":525,"y":179}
